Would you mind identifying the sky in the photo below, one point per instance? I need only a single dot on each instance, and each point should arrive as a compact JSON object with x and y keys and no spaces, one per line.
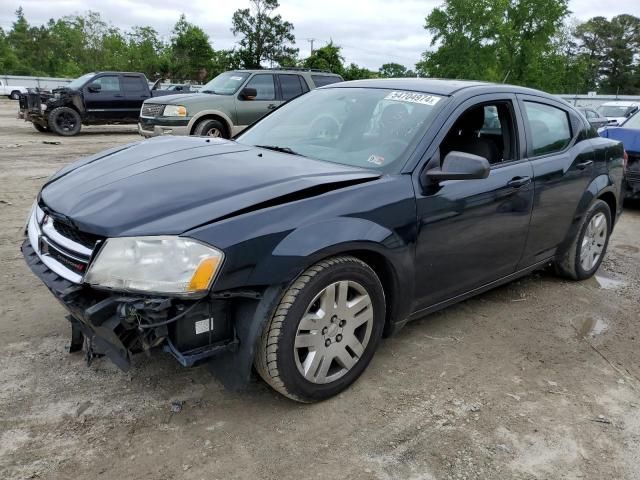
{"x":370,"y":32}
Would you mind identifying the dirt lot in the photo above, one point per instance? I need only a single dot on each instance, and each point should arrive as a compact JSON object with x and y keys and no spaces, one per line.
{"x":538,"y":379}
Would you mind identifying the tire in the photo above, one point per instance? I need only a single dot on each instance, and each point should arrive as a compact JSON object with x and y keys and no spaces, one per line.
{"x":65,"y":121}
{"x":211,"y":128}
{"x":15,"y":95}
{"x":41,"y":128}
{"x":588,"y":248}
{"x":340,"y":346}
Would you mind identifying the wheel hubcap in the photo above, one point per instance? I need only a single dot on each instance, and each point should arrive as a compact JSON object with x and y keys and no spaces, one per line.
{"x":333,"y":332}
{"x":66,"y":121}
{"x":593,"y":241}
{"x":214,"y":132}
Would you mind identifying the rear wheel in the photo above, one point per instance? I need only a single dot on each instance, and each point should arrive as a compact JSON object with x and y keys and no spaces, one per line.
{"x":324,"y":332}
{"x":65,"y":121}
{"x":15,"y":95}
{"x":211,"y":128}
{"x":587,"y":250}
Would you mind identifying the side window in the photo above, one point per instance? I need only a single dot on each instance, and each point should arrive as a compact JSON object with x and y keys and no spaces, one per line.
{"x":322,"y":80}
{"x":108,"y":83}
{"x":133,"y":84}
{"x":263,"y":83}
{"x":487,"y":130}
{"x":550,"y":128}
{"x":291,"y":86}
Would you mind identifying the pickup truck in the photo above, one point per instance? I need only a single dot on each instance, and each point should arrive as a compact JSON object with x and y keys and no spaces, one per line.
{"x":11,"y":91}
{"x":100,"y":98}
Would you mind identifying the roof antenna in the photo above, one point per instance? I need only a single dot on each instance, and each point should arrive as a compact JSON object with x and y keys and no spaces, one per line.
{"x":506,"y":76}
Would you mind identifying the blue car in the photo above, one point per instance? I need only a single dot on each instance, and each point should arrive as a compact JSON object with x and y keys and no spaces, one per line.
{"x":629,"y":134}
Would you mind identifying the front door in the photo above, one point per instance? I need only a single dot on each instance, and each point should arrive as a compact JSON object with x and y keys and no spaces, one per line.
{"x":473,"y":232}
{"x":251,"y":110}
{"x":108,"y":102}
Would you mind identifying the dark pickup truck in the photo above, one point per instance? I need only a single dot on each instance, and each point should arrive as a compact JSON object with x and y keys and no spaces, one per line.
{"x":100,"y":98}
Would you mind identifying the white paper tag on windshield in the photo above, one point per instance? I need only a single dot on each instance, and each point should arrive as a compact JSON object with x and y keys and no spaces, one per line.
{"x":413,"y":97}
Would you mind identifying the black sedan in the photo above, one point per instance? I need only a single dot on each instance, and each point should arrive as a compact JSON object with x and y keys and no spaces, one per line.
{"x":322,"y":228}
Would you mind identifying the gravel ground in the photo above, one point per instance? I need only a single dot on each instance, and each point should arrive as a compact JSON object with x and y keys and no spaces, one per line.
{"x":537,"y":379}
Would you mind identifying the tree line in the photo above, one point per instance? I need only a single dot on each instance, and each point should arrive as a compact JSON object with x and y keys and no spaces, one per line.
{"x":526,"y":42}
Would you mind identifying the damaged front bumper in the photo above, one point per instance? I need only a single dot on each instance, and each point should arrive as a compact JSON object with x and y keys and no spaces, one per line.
{"x":120,"y":325}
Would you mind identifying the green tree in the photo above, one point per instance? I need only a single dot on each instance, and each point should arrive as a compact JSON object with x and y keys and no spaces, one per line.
{"x":191,"y":51}
{"x":146,"y":52}
{"x":493,"y":40}
{"x":327,"y":58}
{"x":354,"y":72}
{"x":392,"y":70}
{"x":265,"y":37}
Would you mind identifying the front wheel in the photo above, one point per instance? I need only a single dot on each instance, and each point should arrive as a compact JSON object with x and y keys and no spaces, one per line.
{"x":324,"y":332}
{"x":587,"y":250}
{"x":65,"y":121}
{"x":15,"y":95}
{"x":211,"y":128}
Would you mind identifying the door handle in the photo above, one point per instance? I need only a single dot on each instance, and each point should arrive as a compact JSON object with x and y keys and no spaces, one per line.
{"x":271,"y":106}
{"x":517,"y":182}
{"x":583,"y":165}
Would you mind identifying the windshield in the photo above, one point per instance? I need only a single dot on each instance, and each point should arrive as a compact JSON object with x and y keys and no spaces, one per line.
{"x":226,"y":83}
{"x":80,"y":81}
{"x":615,"y":110}
{"x":633,"y":122}
{"x":364,"y":127}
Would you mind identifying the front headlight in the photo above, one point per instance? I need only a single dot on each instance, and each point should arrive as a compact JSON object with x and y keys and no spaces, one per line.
{"x":163,"y":264}
{"x":174,"y":111}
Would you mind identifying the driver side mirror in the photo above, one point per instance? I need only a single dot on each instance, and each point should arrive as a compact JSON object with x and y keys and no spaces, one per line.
{"x":94,"y":87}
{"x":458,"y":166}
{"x":249,"y":93}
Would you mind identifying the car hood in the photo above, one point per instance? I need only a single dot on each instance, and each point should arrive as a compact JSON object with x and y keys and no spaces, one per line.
{"x":630,"y":137}
{"x":168,"y":185}
{"x":184,"y":98}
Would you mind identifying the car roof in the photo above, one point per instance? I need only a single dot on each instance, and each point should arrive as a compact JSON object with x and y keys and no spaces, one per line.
{"x":438,"y":86}
{"x":287,"y":70}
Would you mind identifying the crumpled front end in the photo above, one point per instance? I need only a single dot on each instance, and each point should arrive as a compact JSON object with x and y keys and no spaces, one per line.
{"x":115,"y":324}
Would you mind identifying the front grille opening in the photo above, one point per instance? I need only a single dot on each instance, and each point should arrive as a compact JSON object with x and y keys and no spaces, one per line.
{"x":85,"y":239}
{"x":151,"y":110}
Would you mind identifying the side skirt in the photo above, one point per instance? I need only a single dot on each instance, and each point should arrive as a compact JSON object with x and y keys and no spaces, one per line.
{"x":476,"y":291}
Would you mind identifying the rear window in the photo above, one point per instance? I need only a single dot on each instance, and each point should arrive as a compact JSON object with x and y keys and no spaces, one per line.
{"x":550,"y":128}
{"x":322,"y":80}
{"x":134,"y":84}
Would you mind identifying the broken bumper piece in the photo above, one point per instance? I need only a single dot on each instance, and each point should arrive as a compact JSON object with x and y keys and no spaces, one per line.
{"x":119,"y":325}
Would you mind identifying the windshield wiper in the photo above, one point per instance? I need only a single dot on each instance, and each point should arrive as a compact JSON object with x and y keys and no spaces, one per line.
{"x":277,"y":148}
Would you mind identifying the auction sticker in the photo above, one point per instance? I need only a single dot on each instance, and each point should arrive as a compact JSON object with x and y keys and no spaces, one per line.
{"x":413,"y":97}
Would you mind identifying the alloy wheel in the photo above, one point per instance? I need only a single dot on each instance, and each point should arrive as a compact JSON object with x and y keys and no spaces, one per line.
{"x":593,"y":241}
{"x":333,"y":332}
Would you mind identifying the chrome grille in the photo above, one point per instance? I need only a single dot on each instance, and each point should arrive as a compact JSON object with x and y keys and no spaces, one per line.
{"x":151,"y":110}
{"x":61,"y":247}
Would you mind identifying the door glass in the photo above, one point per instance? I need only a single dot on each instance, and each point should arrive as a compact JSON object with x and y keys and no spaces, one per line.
{"x":486,"y":130}
{"x":264,"y":87}
{"x":322,"y":80}
{"x":109,"y":83}
{"x":550,"y":128}
{"x":291,"y":86}
{"x":133,"y":84}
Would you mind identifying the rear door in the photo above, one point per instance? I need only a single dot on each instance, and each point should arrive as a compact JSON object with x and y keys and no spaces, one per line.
{"x":563,"y":166}
{"x":291,"y":86}
{"x":136,"y":91}
{"x":109,"y":102}
{"x":267,"y":99}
